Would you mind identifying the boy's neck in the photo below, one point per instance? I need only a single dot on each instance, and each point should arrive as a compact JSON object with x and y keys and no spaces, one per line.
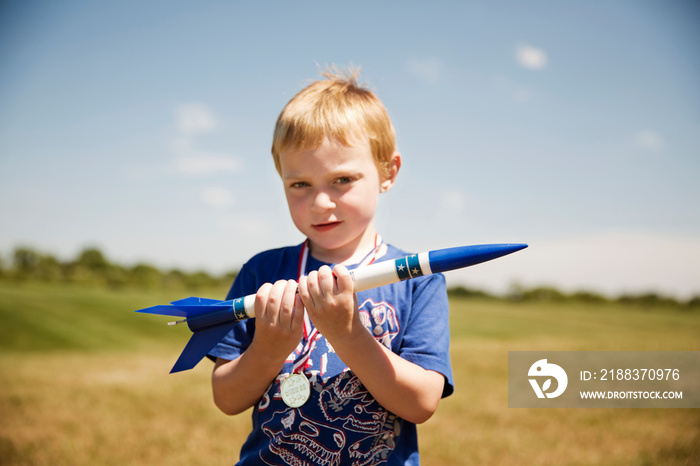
{"x":348,"y":255}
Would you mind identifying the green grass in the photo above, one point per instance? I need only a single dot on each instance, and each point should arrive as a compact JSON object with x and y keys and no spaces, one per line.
{"x":84,"y":380}
{"x":576,"y":326}
{"x":39,"y":318}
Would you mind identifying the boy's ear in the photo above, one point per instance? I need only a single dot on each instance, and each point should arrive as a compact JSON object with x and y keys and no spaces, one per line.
{"x":393,"y":171}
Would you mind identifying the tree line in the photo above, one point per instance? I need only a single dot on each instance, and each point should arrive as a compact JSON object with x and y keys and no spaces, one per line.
{"x":92,"y":267}
{"x":553,"y":295}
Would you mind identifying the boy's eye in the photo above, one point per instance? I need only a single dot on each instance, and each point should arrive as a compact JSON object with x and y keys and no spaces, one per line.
{"x":299,"y":184}
{"x":343,"y":180}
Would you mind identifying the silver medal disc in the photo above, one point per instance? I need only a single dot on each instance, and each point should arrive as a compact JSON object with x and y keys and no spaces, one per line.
{"x":295,"y":390}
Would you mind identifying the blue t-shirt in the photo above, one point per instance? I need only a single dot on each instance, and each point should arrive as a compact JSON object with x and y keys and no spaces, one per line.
{"x":341,"y":423}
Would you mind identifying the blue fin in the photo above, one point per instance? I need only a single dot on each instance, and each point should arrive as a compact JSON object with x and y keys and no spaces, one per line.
{"x":199,"y":346}
{"x":193,"y":300}
{"x":164,"y":310}
{"x":184,"y":310}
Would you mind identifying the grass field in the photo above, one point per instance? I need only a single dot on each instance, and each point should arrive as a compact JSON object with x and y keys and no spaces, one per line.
{"x":84,"y":380}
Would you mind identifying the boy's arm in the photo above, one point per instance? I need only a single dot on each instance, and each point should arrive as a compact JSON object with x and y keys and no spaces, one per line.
{"x":239,"y":384}
{"x":401,"y":386}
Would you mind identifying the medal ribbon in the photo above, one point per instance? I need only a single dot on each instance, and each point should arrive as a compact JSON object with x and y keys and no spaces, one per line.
{"x":311,"y":332}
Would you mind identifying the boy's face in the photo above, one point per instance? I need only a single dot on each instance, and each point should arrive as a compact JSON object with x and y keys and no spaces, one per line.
{"x":332,"y":193}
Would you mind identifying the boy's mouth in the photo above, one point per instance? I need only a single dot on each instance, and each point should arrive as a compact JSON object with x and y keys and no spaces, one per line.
{"x":323,"y":227}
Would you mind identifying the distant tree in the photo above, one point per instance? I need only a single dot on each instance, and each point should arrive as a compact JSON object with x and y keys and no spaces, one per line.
{"x":145,"y":275}
{"x":515,"y":292}
{"x":198,"y":280}
{"x":116,"y":276}
{"x":48,"y":268}
{"x":25,"y":261}
{"x":543,"y":294}
{"x":174,"y":279}
{"x":648,"y":300}
{"x":693,"y":303}
{"x":464,"y":292}
{"x":93,"y":259}
{"x":588,"y":297}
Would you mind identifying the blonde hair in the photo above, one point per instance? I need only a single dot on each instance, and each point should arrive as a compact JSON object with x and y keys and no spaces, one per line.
{"x":337,"y":108}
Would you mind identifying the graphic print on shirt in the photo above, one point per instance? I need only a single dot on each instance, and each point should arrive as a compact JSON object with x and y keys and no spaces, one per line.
{"x":341,"y":423}
{"x":380,"y":319}
{"x":299,"y":440}
{"x":372,"y":428}
{"x":355,"y":430}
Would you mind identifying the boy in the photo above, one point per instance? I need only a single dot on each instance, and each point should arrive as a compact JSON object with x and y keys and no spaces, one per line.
{"x":335,"y":377}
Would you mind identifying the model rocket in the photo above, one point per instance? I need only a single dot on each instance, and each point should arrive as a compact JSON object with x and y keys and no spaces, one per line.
{"x":211,"y":319}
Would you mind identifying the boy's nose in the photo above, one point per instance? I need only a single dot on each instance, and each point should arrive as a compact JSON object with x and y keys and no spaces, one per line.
{"x":322,"y":202}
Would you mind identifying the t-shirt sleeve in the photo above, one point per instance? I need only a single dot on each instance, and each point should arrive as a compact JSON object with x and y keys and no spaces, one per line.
{"x":426,"y":341}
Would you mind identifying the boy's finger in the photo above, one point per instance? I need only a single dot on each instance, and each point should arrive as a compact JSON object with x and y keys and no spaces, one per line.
{"x":288,"y":298}
{"x":275,"y":299}
{"x":313,"y":285}
{"x":298,"y":313}
{"x":304,"y":292}
{"x":261,"y":300}
{"x":326,"y":280}
{"x":343,"y":278}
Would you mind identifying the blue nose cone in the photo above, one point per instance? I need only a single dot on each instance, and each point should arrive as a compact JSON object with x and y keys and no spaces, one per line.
{"x":442,"y":260}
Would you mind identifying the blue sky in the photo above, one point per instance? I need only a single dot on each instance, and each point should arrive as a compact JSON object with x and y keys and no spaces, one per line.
{"x":144,"y":128}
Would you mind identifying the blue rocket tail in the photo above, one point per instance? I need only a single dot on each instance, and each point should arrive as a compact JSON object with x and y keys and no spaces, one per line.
{"x":202,"y":340}
{"x":200,"y":344}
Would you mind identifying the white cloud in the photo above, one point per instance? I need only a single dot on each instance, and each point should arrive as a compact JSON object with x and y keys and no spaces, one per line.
{"x":451,"y":207}
{"x":649,"y":140}
{"x":203,"y":164}
{"x":452,"y":200}
{"x":194,"y":118}
{"x":530,"y":57}
{"x":426,"y":69}
{"x":217,"y":197}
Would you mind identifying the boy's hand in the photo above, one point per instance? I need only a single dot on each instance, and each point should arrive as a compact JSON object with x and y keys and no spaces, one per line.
{"x":279,"y":319}
{"x":331,"y":303}
{"x":239,"y":384}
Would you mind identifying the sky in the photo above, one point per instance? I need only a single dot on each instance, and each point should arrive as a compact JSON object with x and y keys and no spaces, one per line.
{"x":144,"y":129}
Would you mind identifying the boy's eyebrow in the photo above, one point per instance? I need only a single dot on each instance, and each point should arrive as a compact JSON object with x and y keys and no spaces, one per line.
{"x":339,"y":171}
{"x":293,"y":176}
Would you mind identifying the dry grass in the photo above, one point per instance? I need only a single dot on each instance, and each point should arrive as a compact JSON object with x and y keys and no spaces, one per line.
{"x":475,"y":426}
{"x":112,"y":406}
{"x":111,"y":409}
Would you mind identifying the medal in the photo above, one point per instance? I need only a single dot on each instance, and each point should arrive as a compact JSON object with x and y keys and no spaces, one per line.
{"x":295,"y":390}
